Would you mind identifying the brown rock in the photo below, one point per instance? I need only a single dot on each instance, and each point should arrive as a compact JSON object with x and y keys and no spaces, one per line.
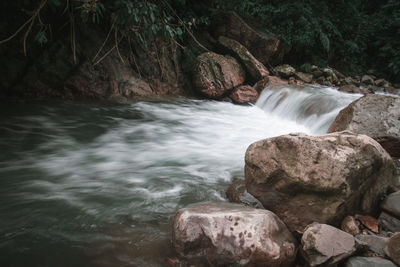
{"x":231,"y":234}
{"x":237,"y":193}
{"x":350,"y":89}
{"x":385,"y":126}
{"x":244,"y":94}
{"x":276,"y":82}
{"x":254,"y":67}
{"x":393,"y":248}
{"x":261,"y":84}
{"x":370,"y":222}
{"x":318,"y":178}
{"x":350,"y":225}
{"x":327,"y":245}
{"x":262,"y":44}
{"x":304,"y":76}
{"x":215,"y":75}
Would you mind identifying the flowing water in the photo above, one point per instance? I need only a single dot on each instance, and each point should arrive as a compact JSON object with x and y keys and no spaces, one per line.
{"x":97,"y":184}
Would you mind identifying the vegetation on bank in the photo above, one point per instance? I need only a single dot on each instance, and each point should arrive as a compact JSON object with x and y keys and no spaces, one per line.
{"x":351,"y":35}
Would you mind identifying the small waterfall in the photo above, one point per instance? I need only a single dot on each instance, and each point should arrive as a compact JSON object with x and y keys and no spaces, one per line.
{"x":312,"y":106}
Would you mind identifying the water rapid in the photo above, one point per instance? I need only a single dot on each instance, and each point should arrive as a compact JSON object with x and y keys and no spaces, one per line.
{"x":97,"y":184}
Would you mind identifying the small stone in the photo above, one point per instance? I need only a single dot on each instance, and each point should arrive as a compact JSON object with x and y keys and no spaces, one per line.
{"x":325,"y":244}
{"x":374,"y":243}
{"x":350,"y":225}
{"x":350,"y":89}
{"x":368,"y":262}
{"x":393,"y":248}
{"x":370,"y":222}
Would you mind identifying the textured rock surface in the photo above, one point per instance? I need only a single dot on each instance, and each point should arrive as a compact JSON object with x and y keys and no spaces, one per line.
{"x":377,"y":116}
{"x":350,"y":225}
{"x":368,"y":262}
{"x":264,"y":45}
{"x":350,"y":88}
{"x":215,"y":75}
{"x":374,"y":243}
{"x":253,"y":67}
{"x":389,"y":222}
{"x":285,"y":70}
{"x":304,"y":179}
{"x":393,"y":248}
{"x":392,"y":204}
{"x":324,"y":244}
{"x":226,"y":233}
{"x":305,"y":77}
{"x":244,"y":94}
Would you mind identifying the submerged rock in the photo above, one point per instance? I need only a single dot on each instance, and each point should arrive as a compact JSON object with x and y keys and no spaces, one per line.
{"x":254,"y":67}
{"x":306,"y":179}
{"x":325,"y":244}
{"x":377,"y":116}
{"x":368,"y":262}
{"x":226,"y":233}
{"x":244,"y":94}
{"x":215,"y":75}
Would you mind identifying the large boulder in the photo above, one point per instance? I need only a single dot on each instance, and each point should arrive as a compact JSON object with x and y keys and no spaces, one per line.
{"x":327,"y":245}
{"x":254,"y":67}
{"x":306,"y":179}
{"x":264,"y":45}
{"x":244,"y":94}
{"x":232,"y":234}
{"x":215,"y":75}
{"x":377,"y":116}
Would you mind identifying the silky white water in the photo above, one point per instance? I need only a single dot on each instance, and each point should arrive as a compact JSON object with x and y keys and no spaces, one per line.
{"x":97,"y":184}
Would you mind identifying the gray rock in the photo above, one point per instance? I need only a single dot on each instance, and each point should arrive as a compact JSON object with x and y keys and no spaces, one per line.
{"x":367,"y":80}
{"x":374,"y":243}
{"x":285,"y":70}
{"x":304,"y":76}
{"x":389,"y":222}
{"x":368,"y":262}
{"x":377,"y":116}
{"x":392,"y":204}
{"x":237,"y":193}
{"x":232,"y":234}
{"x":325,"y":244}
{"x":318,"y":178}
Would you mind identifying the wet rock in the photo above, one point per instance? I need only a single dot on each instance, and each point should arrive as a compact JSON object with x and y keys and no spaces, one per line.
{"x":368,"y":262}
{"x":350,"y":89}
{"x":253,"y":67}
{"x":244,"y":94}
{"x":285,"y":70}
{"x":215,"y":75}
{"x":325,"y":244}
{"x":392,"y":204}
{"x":226,"y":233}
{"x":276,"y":83}
{"x":329,"y":73}
{"x":317,"y":73}
{"x":304,"y":76}
{"x":390,"y":90}
{"x":382,"y":83}
{"x":385,"y":126}
{"x":318,"y":178}
{"x":367,"y":80}
{"x":350,"y":225}
{"x":389,"y":222}
{"x":262,"y":44}
{"x":393,"y":248}
{"x":237,"y":193}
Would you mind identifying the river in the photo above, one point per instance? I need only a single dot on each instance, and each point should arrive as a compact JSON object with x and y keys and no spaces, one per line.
{"x":98,"y":183}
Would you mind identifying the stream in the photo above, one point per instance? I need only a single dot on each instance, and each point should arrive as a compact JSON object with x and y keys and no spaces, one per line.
{"x":98,"y":183}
